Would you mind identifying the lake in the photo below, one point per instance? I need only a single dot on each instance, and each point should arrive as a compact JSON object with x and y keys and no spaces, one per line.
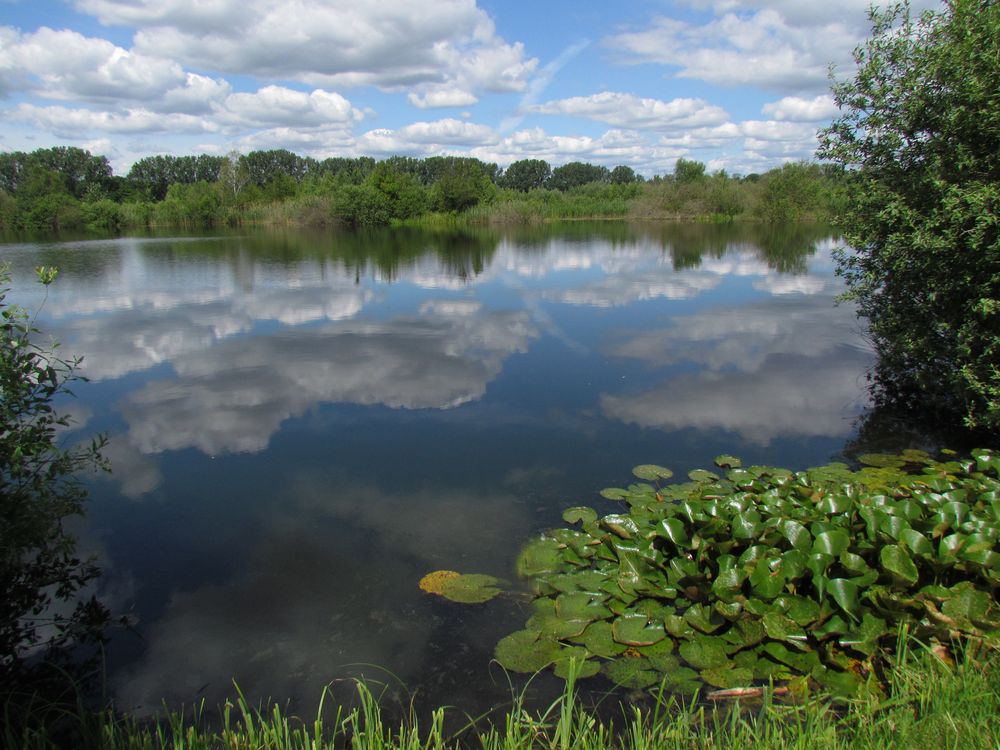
{"x":304,"y":424}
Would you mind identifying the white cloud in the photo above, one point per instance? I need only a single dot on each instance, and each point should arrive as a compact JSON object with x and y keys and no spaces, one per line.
{"x":442,"y":98}
{"x":67,"y":65}
{"x":395,"y":44}
{"x":71,"y":123}
{"x":797,"y":109}
{"x":277,"y":106}
{"x":630,"y":111}
{"x":425,"y":138}
{"x":760,"y":49}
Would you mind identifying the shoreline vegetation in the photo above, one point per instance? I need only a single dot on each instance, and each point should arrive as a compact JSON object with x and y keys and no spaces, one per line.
{"x":933,"y":702}
{"x":67,"y":188}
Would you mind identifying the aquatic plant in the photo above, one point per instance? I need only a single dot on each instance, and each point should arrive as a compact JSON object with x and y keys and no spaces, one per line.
{"x":758,"y":575}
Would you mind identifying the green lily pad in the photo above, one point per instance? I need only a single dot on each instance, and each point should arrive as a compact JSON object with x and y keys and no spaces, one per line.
{"x":704,"y":652}
{"x":470,"y":588}
{"x":614,"y":493}
{"x":883,"y":460}
{"x":651,"y":472}
{"x":703,"y":618}
{"x":802,"y":662}
{"x":632,"y":630}
{"x":580,"y":605}
{"x":579,"y":513}
{"x":584,"y":667}
{"x":555,"y":627}
{"x":968,"y":603}
{"x":728,"y":462}
{"x":631,"y":672}
{"x":897,"y":561}
{"x":538,"y":557}
{"x":727,"y":677}
{"x":702,"y":475}
{"x":599,"y":640}
{"x":621,"y":525}
{"x":526,"y":651}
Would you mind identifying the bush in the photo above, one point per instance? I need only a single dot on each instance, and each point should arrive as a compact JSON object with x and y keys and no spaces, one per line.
{"x":41,"y":575}
{"x":920,"y":135}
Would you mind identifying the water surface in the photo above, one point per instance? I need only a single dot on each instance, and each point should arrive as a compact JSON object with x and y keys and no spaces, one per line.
{"x":302,"y":425}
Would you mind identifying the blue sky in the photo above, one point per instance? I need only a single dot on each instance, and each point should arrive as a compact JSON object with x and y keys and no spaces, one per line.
{"x":739,"y":84}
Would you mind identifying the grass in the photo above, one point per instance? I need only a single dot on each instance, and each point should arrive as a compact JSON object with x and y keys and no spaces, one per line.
{"x":930,"y":704}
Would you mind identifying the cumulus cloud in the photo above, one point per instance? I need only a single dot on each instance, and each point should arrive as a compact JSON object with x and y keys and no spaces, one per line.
{"x":759,"y":48}
{"x":797,"y":109}
{"x":425,"y":138}
{"x":67,"y":65}
{"x":630,"y":111}
{"x":278,"y":105}
{"x":69,"y":122}
{"x":232,"y":397}
{"x":451,"y":44}
{"x":442,"y":98}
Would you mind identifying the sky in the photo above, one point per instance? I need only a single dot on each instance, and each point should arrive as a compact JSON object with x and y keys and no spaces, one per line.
{"x":741,"y":85}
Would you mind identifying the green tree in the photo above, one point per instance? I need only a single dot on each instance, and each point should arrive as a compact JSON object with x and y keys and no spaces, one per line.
{"x":689,"y":170}
{"x":462,"y":184}
{"x":40,"y":572}
{"x":623,"y":175}
{"x":526,"y":174}
{"x":574,"y":174}
{"x":919,"y":132}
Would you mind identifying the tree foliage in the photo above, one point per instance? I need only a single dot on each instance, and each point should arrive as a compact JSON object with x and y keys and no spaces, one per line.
{"x":41,"y":575}
{"x":919,"y":132}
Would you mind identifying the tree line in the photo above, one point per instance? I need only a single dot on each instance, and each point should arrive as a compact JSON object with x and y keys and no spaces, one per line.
{"x":67,"y":187}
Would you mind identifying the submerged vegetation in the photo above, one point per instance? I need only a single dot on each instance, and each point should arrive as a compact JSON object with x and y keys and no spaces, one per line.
{"x":68,"y":188}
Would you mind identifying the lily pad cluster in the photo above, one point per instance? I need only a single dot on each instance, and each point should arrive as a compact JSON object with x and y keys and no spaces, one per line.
{"x":753,"y":575}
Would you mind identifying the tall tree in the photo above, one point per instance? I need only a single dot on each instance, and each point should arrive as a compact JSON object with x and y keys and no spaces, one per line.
{"x":526,"y":174}
{"x":919,"y":132}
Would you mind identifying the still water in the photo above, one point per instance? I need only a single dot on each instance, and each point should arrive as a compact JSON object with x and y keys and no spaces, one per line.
{"x":302,"y":425}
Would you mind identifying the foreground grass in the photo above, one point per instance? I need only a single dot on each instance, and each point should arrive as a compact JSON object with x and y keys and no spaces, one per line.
{"x":930,"y":704}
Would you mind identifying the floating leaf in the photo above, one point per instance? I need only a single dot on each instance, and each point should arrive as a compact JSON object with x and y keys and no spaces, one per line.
{"x":431,"y":583}
{"x":539,"y":556}
{"x":631,"y":673}
{"x":580,"y":605}
{"x":651,"y":472}
{"x":585,"y":667}
{"x":614,"y":493}
{"x":727,"y":677}
{"x":831,"y":542}
{"x":633,"y":630}
{"x":621,"y":525}
{"x":473,"y":588}
{"x":597,"y":638}
{"x":728,"y":462}
{"x":702,"y":475}
{"x":845,"y":593}
{"x":673,"y":529}
{"x":525,"y":651}
{"x":579,"y":513}
{"x":897,"y":561}
{"x":704,"y":652}
{"x":883,"y":460}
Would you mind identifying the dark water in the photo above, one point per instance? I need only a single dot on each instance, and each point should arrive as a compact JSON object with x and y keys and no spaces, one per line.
{"x":302,"y":425}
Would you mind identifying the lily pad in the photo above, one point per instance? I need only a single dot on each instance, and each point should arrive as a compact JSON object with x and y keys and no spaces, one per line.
{"x":580,"y":605}
{"x":538,"y":557}
{"x":526,"y":651}
{"x":600,"y":641}
{"x":702,"y":475}
{"x":634,"y":673}
{"x":704,"y":652}
{"x":584,"y":667}
{"x":579,"y":513}
{"x":632,"y":630}
{"x":473,"y":588}
{"x":728,"y":462}
{"x":651,"y":472}
{"x":727,"y":677}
